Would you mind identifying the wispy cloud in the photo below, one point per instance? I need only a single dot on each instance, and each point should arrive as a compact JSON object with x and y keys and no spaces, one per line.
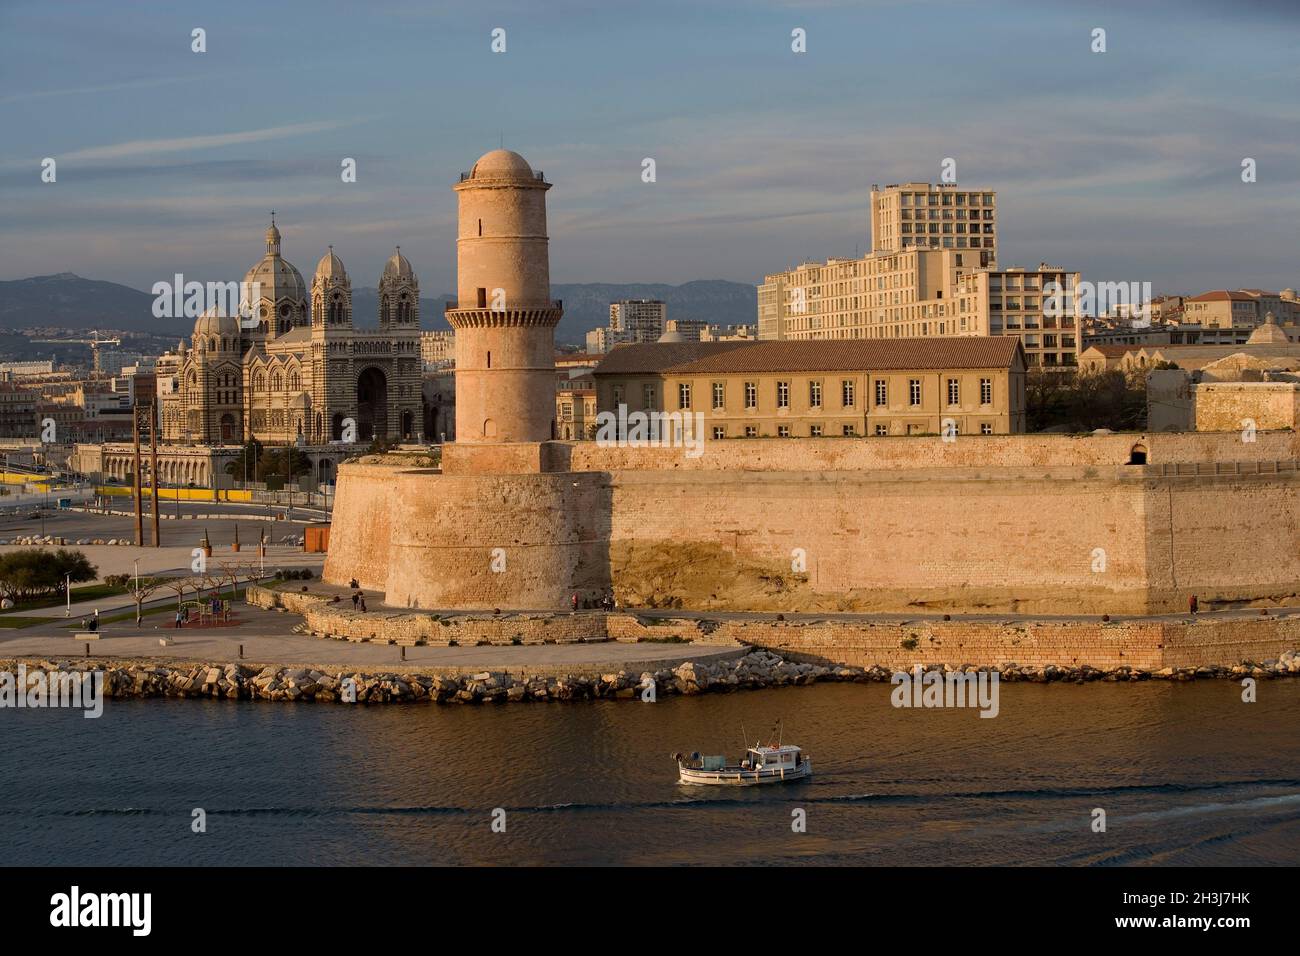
{"x":181,"y":144}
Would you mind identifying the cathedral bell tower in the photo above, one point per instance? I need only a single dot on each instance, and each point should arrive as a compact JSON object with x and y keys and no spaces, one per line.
{"x":504,"y":317}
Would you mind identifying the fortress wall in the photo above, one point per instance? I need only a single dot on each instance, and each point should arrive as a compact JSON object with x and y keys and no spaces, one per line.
{"x":877,"y":542}
{"x":968,"y":451}
{"x":1009,"y":538}
{"x":1224,"y":538}
{"x":364,"y":511}
{"x":1146,"y":644}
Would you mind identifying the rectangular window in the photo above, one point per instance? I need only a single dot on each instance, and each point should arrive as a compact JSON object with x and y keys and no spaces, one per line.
{"x":647,"y":396}
{"x":719,"y":431}
{"x":684,"y":395}
{"x":751,"y":395}
{"x":719,"y":394}
{"x":815,"y":393}
{"x":782,"y":394}
{"x":914,"y":391}
{"x":618,"y":395}
{"x":815,"y":431}
{"x":986,"y":429}
{"x":848,"y":393}
{"x":850,"y":431}
{"x":882,"y":431}
{"x":986,"y":391}
{"x":782,"y":431}
{"x":882,"y":393}
{"x":954,"y":392}
{"x":751,"y":431}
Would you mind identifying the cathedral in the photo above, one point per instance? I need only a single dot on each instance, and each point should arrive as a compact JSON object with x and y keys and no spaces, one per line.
{"x":290,"y":368}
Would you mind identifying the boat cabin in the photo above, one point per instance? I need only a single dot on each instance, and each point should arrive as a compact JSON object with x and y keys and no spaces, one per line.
{"x":774,"y":758}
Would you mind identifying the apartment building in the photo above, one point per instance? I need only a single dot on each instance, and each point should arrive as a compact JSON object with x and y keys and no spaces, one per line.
{"x":919,"y":293}
{"x":630,"y":321}
{"x":925,"y":216}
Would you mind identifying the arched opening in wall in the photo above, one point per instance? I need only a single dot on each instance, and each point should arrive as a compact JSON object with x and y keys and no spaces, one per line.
{"x":489,"y":429}
{"x":227,"y":428}
{"x":408,"y":425}
{"x":1138,"y":454}
{"x":482,"y":298}
{"x":372,"y":404}
{"x":336,"y":427}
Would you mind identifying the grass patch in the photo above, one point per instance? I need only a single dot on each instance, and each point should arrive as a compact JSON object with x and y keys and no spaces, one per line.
{"x":12,"y":621}
{"x":87,"y":592}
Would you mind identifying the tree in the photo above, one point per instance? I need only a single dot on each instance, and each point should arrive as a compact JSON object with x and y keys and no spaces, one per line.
{"x":179,"y":586}
{"x":140,"y":590}
{"x":1067,"y":400}
{"x":246,"y":466}
{"x":274,"y":463}
{"x":32,"y":573}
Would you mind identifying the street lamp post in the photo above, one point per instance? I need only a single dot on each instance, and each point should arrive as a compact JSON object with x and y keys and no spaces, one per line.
{"x":67,"y":589}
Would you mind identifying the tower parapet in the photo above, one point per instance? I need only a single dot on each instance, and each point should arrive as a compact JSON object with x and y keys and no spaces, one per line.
{"x":504,"y":316}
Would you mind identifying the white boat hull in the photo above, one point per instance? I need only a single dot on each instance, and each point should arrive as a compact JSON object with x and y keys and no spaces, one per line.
{"x":740,"y":777}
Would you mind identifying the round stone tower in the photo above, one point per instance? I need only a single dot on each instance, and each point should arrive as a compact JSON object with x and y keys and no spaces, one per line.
{"x":504,"y":317}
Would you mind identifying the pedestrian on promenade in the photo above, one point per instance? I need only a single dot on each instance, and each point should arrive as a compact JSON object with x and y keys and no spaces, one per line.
{"x":363,"y":604}
{"x":574,"y":601}
{"x":178,"y":618}
{"x":356,"y":596}
{"x":1193,"y":605}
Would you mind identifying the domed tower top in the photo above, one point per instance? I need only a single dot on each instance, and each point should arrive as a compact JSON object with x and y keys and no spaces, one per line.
{"x":331,"y":267}
{"x":398,"y":266}
{"x":331,"y":293}
{"x":503,"y":164}
{"x":399,"y":294}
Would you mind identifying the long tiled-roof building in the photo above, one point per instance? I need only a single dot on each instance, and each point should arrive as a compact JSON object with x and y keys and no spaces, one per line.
{"x":845,"y":388}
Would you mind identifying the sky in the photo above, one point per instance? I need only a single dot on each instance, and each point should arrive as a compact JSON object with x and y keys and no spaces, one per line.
{"x":1123,"y":165}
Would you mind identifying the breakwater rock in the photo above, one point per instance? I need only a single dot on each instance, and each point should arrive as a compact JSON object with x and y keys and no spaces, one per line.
{"x":756,"y":670}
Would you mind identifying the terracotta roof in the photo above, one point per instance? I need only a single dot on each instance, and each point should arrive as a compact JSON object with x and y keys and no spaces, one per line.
{"x":836,"y":355}
{"x":1221,"y":295}
{"x":648,"y":358}
{"x":1114,"y":351}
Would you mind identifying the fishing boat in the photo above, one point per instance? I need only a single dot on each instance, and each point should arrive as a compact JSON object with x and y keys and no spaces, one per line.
{"x":774,"y":763}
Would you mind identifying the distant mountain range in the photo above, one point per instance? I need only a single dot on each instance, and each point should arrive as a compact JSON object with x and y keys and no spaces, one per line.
{"x":68,"y":301}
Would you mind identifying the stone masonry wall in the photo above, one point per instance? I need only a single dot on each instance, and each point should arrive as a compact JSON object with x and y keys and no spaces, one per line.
{"x":1145,"y":644}
{"x":1051,"y":524}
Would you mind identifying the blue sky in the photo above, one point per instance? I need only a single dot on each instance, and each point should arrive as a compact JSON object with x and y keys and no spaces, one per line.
{"x":1123,"y":165}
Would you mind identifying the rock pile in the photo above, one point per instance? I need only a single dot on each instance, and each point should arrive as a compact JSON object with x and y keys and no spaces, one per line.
{"x":758,"y":669}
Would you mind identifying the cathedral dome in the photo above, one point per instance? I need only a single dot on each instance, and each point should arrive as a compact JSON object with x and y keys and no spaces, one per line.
{"x":331,"y":266}
{"x":215,"y":322}
{"x":277,"y":279}
{"x":398,"y":266}
{"x":501,"y":164}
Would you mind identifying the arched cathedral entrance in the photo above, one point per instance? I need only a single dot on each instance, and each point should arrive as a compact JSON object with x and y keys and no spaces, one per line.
{"x":372,"y":404}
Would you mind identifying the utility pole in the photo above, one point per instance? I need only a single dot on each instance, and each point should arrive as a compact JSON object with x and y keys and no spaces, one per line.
{"x":153,"y":472}
{"x":135,"y":479}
